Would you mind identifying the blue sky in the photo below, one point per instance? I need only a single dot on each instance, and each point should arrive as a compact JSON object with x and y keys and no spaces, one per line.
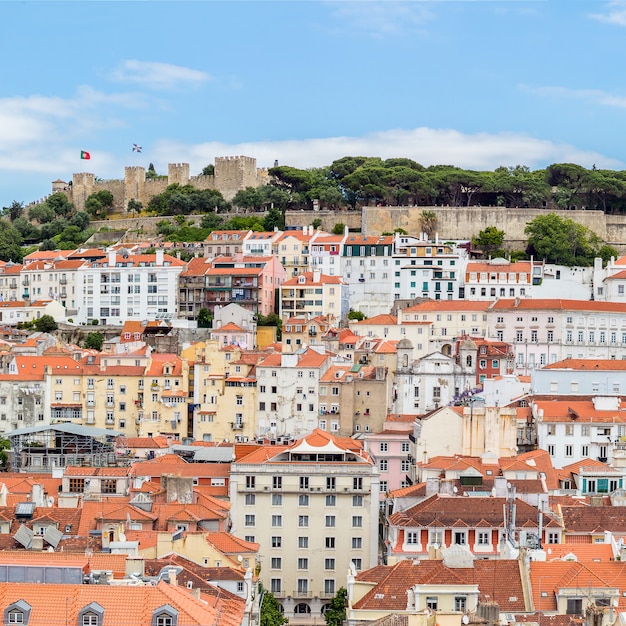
{"x":468,"y":83}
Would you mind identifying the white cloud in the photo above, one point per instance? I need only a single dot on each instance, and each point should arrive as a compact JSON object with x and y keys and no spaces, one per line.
{"x":615,"y":13}
{"x":157,"y":75}
{"x":481,"y":151}
{"x":381,"y":18}
{"x":596,"y":96}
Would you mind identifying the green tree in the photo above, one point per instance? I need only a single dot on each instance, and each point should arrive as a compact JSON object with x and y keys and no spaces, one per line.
{"x":60,"y":203}
{"x":134,"y":206}
{"x":208,"y":170}
{"x":335,"y":615}
{"x":338,"y":229}
{"x":205,"y":318}
{"x":94,"y":341}
{"x":356,"y":315}
{"x":14,"y":210}
{"x":249,"y":198}
{"x":80,"y":219}
{"x":5,"y":445}
{"x":428,"y":222}
{"x":151,"y":172}
{"x":271,"y":319}
{"x":99,"y":203}
{"x":275,"y":218}
{"x":271,"y":613}
{"x":10,"y":240}
{"x":42,"y":213}
{"x":489,"y":240}
{"x":316,"y":223}
{"x":562,"y":241}
{"x":45,"y":324}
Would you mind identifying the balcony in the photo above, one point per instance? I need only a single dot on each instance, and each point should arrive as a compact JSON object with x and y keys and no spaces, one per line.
{"x":302,"y":593}
{"x":237,"y":425}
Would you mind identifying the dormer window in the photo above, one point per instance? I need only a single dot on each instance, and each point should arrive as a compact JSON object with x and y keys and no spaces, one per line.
{"x":165,"y":616}
{"x":91,"y":615}
{"x":17,"y":613}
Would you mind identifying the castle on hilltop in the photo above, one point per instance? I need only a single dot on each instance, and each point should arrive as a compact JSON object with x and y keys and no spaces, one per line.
{"x":231,"y":174}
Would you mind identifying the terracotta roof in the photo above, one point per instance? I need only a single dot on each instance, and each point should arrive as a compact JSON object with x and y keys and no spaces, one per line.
{"x":229,"y":544}
{"x":499,"y":580}
{"x":558,"y":304}
{"x":446,"y":511}
{"x":587,"y":364}
{"x":594,"y":519}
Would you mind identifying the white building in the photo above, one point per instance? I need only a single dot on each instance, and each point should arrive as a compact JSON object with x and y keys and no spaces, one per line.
{"x":544,"y":331}
{"x":123,"y":286}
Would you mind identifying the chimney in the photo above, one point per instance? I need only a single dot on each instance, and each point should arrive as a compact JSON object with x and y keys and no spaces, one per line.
{"x":172,"y":576}
{"x":316,"y":276}
{"x":112,"y":256}
{"x":159,"y":258}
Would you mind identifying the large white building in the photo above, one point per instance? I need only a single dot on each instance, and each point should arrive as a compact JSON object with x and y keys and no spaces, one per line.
{"x":313,"y":507}
{"x":123,"y":286}
{"x":544,"y":331}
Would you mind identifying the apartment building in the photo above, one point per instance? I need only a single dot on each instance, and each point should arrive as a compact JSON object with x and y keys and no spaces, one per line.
{"x":293,"y":250}
{"x":448,"y":319}
{"x":54,"y":280}
{"x":426,"y":269}
{"x":250,"y":281}
{"x":313,"y":294}
{"x":224,"y":243}
{"x":354,"y":398}
{"x":544,"y":331}
{"x":10,"y":279}
{"x":499,"y":278}
{"x":124,"y":286}
{"x":312,"y":506}
{"x":287,"y":391}
{"x":367,"y":268}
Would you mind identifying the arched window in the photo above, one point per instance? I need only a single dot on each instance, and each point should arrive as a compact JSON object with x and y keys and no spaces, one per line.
{"x":302,"y":608}
{"x":468,"y":360}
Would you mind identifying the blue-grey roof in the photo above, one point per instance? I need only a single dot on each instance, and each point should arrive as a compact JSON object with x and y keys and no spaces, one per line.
{"x":72,"y":429}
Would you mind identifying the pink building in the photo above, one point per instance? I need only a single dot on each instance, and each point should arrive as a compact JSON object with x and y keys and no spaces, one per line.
{"x":390,"y":451}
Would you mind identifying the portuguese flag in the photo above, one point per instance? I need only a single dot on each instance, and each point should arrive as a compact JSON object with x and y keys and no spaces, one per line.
{"x":85,"y":155}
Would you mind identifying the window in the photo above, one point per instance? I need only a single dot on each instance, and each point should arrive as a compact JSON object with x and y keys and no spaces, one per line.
{"x":431,"y":602}
{"x":357,"y":543}
{"x":276,"y":562}
{"x":331,"y":484}
{"x":165,"y":616}
{"x":303,"y":521}
{"x":460,"y":603}
{"x":357,"y":521}
{"x":383,"y":465}
{"x":460,"y":538}
{"x":413,"y":537}
{"x":250,"y":482}
{"x":277,"y":542}
{"x":77,"y":485}
{"x":482,"y":538}
{"x":330,"y":521}
{"x":250,"y":520}
{"x":358,"y":564}
{"x":303,"y":563}
{"x":277,"y":499}
{"x":108,"y":485}
{"x":383,"y":446}
{"x":304,"y":482}
{"x":357,"y":483}
{"x":303,"y":542}
{"x":277,"y":521}
{"x":405,"y":445}
{"x":250,"y":499}
{"x":330,"y":543}
{"x":357,"y":500}
{"x":553,"y":537}
{"x":277,"y":482}
{"x":303,"y":499}
{"x":329,"y":563}
{"x":275,"y":585}
{"x":331,"y":500}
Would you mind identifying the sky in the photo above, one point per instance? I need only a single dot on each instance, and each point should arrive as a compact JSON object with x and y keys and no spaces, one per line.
{"x":476,"y":84}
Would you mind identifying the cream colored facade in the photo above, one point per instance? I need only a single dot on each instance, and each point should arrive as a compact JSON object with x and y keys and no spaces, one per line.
{"x":224,"y":397}
{"x":313,"y":508}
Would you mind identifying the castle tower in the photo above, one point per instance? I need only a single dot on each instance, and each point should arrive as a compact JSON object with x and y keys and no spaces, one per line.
{"x":235,"y":173}
{"x":83,"y":185}
{"x":178,"y":173}
{"x":134,"y":185}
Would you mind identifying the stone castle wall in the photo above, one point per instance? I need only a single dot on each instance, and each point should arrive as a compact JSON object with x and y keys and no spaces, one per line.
{"x":231,"y":175}
{"x":467,"y":222}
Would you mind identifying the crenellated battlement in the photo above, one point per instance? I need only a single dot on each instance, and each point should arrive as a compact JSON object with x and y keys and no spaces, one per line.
{"x":232,"y":173}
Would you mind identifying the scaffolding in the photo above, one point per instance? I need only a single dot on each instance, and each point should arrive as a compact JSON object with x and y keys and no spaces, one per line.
{"x":44,"y":448}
